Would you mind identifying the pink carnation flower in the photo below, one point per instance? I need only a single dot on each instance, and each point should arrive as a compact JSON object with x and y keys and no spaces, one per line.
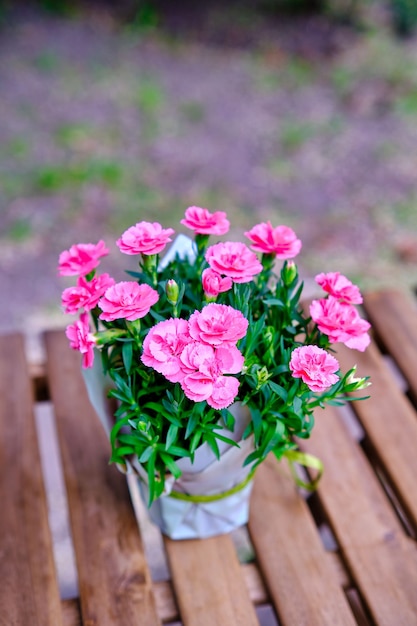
{"x":127,"y":300}
{"x":340,"y":287}
{"x":85,"y":294}
{"x":204,"y":367}
{"x":281,"y":240}
{"x":145,"y":238}
{"x":163,"y":347}
{"x":81,"y":258}
{"x":225,"y":390}
{"x":211,"y":361}
{"x":213,"y":283}
{"x":235,"y":260}
{"x":197,"y":386}
{"x":340,"y":322}
{"x":81,"y":338}
{"x":218,"y":324}
{"x":219,"y":393}
{"x":315,"y":367}
{"x":203,"y":222}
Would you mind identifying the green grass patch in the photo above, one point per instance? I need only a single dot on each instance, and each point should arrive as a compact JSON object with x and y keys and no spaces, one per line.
{"x":294,"y":135}
{"x":69,"y":135}
{"x":407,"y":104}
{"x":55,"y":177}
{"x":404,"y":213}
{"x":291,"y":73}
{"x":149,"y":96}
{"x":19,"y":230}
{"x":16,"y":148}
{"x":46,"y":62}
{"x":343,"y":80}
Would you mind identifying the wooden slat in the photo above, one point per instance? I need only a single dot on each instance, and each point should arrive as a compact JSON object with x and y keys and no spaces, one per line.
{"x":301,"y":580}
{"x":114,"y":580}
{"x":390,"y":422}
{"x":393,"y":315}
{"x":382,"y":561}
{"x":208,"y":582}
{"x":28,"y":586}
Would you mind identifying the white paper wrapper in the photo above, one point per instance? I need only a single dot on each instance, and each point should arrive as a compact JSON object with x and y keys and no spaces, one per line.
{"x":183,"y":246}
{"x":180,"y":519}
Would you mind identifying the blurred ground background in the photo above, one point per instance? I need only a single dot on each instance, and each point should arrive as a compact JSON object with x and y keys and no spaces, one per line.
{"x":109,"y":116}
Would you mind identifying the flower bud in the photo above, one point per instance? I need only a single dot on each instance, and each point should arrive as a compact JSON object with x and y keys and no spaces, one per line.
{"x":172,"y":291}
{"x":353,"y":383}
{"x":262,"y":375}
{"x":289,"y":273}
{"x":109,"y":336}
{"x":269,"y":334}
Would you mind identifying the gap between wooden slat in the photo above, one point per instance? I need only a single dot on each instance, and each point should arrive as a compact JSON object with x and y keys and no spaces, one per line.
{"x":393,"y":314}
{"x":388,"y":487}
{"x":56,"y":500}
{"x":390,"y":422}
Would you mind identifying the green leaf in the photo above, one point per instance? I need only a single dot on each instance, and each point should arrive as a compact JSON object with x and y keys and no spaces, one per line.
{"x":121,"y":384}
{"x":115,"y":430}
{"x":278,"y":390}
{"x":257,"y":422}
{"x":191,"y":424}
{"x":158,"y":408}
{"x":171,"y":436}
{"x":256,"y":455}
{"x":127,"y":438}
{"x":151,"y":477}
{"x":171,"y":465}
{"x":277,"y":436}
{"x":124,"y":451}
{"x":195,"y":441}
{"x":113,"y":393}
{"x":127,"y":354}
{"x":228,"y":419}
{"x":178,"y":451}
{"x":145,"y":456}
{"x":248,"y":431}
{"x":212,"y":443}
{"x":231,"y":442}
{"x":275,"y":302}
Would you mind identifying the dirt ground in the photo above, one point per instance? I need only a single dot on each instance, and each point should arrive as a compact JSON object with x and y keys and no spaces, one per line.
{"x":105,"y":123}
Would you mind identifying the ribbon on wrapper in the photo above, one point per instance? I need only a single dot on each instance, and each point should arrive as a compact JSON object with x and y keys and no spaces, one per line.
{"x":306,"y":460}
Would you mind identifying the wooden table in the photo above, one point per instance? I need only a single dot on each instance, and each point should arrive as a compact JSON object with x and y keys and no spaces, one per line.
{"x":346,"y":555}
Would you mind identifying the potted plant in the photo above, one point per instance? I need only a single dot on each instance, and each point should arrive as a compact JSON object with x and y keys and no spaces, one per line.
{"x":211,"y":358}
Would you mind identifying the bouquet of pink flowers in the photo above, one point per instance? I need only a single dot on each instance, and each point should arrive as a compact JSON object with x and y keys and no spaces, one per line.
{"x":187,"y":337}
